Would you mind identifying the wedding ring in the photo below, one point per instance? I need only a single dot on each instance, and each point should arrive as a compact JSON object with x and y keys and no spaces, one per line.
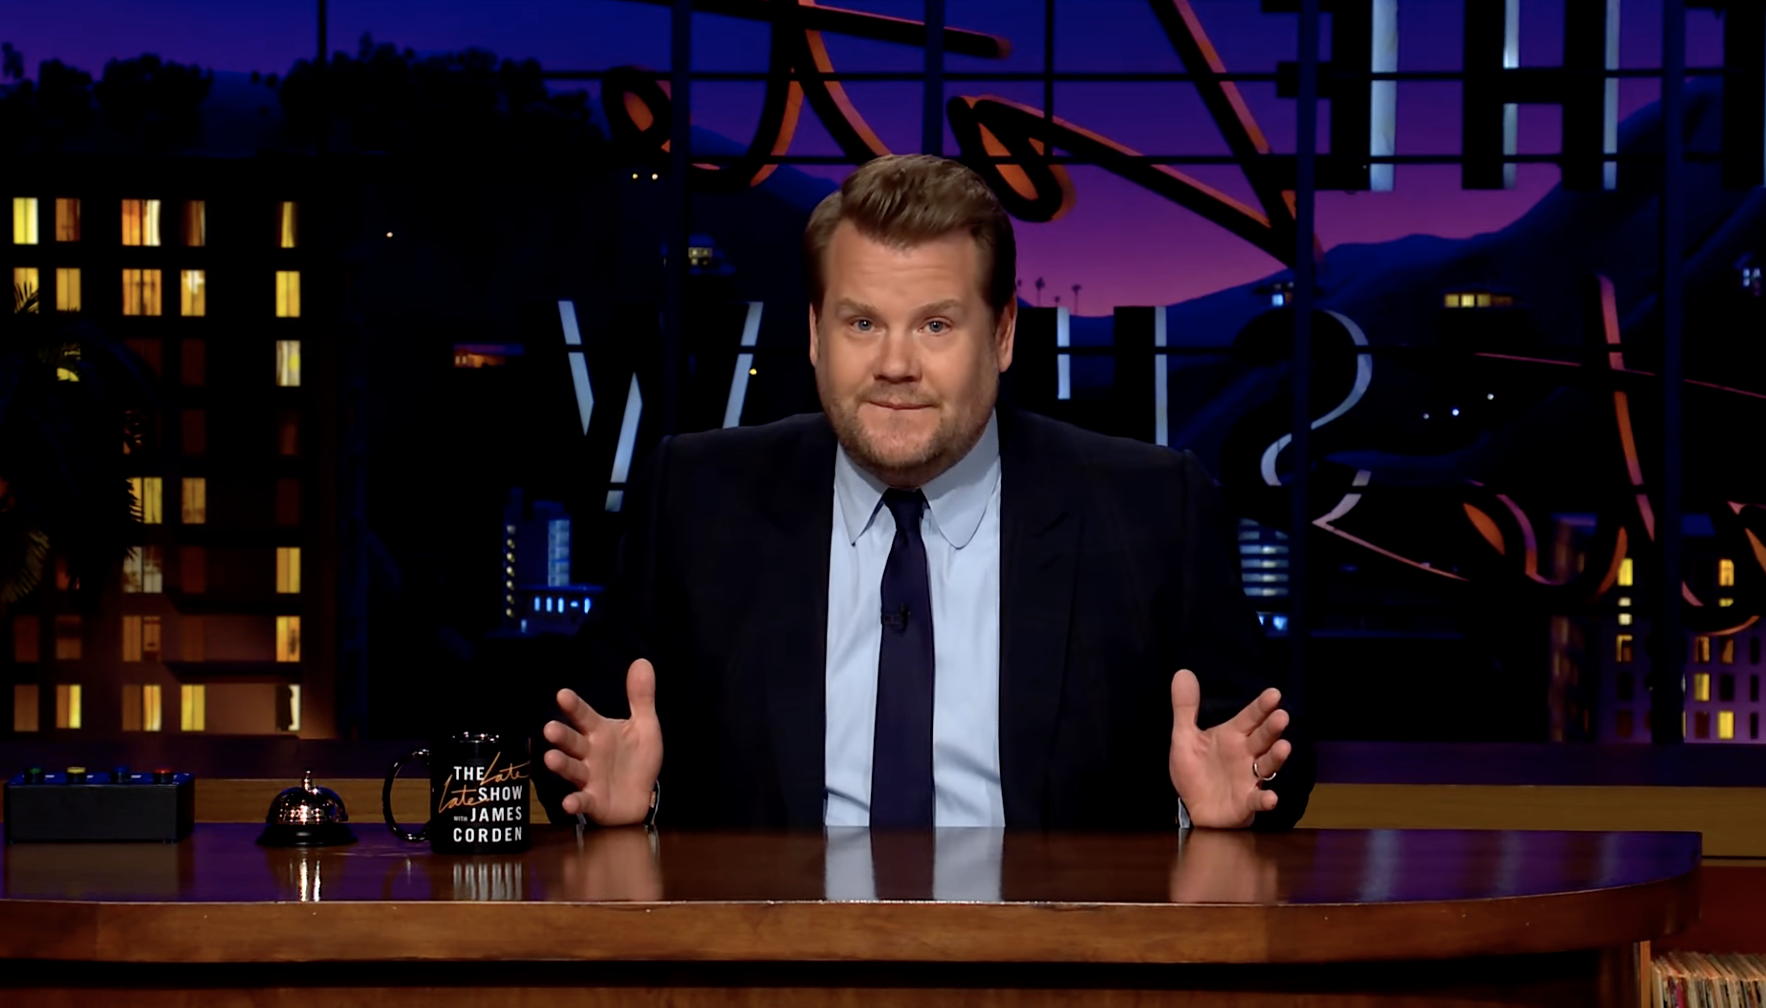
{"x":1259,"y":774}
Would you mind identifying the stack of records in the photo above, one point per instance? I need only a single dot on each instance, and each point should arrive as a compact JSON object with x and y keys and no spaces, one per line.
{"x":1704,"y":980}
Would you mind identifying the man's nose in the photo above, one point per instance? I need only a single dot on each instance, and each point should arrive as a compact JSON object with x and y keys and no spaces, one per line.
{"x":898,"y":357}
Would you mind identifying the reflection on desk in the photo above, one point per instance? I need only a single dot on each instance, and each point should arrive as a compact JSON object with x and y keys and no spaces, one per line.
{"x":220,"y":863}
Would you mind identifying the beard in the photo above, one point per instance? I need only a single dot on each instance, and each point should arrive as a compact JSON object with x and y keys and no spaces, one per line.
{"x":901,"y":452}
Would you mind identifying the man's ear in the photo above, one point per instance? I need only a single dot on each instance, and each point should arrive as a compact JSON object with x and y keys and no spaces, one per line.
{"x":813,"y":349}
{"x":1005,"y":334}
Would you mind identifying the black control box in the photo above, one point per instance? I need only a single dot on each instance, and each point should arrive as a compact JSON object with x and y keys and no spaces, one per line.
{"x":74,"y":806}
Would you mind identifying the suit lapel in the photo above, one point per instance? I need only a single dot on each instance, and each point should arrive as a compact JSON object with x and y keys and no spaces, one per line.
{"x":1039,"y":543}
{"x":793,"y":575}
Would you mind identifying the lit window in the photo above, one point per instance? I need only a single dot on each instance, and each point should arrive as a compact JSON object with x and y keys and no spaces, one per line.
{"x":1625,"y":573}
{"x":69,"y":638}
{"x":67,"y":290}
{"x":288,"y":570}
{"x":195,"y":222}
{"x":27,"y":643}
{"x":24,"y":220}
{"x":1701,"y":686}
{"x":25,"y":282}
{"x":195,"y":500}
{"x":147,"y":495}
{"x":193,"y":292}
{"x":67,"y":220}
{"x":141,"y":292}
{"x":1726,"y":724}
{"x":288,"y":638}
{"x":192,"y":707}
{"x":285,"y":224}
{"x":1725,"y":602}
{"x":293,"y":720}
{"x":1726,"y":573}
{"x":67,"y":705}
{"x":141,"y":222}
{"x":557,"y":553}
{"x":288,"y":363}
{"x":287,"y":294}
{"x":143,"y":709}
{"x":1624,"y":619}
{"x":141,"y":638}
{"x":26,"y":700}
{"x":143,"y":571}
{"x":1623,"y":642}
{"x":1701,"y":650}
{"x":1726,"y":652}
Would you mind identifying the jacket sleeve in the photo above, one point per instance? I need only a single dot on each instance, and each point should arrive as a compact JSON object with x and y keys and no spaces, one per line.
{"x":622,"y":626}
{"x":1221,"y":640}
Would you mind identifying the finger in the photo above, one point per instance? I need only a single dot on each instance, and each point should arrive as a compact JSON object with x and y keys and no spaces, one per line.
{"x":640,"y":688}
{"x":1265,"y":735}
{"x":1247,"y":720}
{"x":1273,"y":760}
{"x":567,"y":738}
{"x":570,"y":768}
{"x":1186,"y":700}
{"x":578,"y":711}
{"x":1264,"y":801}
{"x":580,"y":803}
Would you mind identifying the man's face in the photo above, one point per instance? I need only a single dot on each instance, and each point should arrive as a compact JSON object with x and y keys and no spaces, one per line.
{"x":907,"y":354}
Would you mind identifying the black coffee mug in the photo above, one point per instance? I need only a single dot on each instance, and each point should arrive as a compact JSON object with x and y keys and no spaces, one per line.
{"x":478,"y":794}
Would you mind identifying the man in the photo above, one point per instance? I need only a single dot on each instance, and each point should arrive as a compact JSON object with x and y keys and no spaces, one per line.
{"x":915,"y":609}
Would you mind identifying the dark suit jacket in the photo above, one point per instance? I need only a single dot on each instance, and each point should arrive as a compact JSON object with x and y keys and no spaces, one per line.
{"x":1118,"y":567}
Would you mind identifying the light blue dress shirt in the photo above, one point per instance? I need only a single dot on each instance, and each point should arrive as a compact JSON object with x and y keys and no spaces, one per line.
{"x":961,"y":529}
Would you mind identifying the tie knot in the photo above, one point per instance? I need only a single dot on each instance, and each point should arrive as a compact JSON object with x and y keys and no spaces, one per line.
{"x":906,"y":506}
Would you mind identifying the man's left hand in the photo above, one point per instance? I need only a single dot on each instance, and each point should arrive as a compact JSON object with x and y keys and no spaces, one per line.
{"x":1212,"y":769}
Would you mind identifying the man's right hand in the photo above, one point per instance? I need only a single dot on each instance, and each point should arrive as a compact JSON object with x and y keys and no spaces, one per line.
{"x":613,"y":764}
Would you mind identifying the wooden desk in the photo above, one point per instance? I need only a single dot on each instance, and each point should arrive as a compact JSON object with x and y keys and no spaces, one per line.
{"x":624,"y":918}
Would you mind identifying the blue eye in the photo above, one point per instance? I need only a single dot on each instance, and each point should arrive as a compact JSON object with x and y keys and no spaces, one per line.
{"x":938,"y":326}
{"x":862,"y":325}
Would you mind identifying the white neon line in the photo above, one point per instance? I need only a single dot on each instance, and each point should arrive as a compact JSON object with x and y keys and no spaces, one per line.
{"x":579,"y":366}
{"x":1161,"y":421}
{"x":744,"y":361}
{"x":1063,"y":362}
{"x":567,"y":315}
{"x":1383,"y":97}
{"x":628,"y":433}
{"x":1364,"y":377}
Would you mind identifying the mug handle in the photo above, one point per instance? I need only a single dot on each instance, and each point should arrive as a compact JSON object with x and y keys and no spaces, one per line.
{"x":386,"y":798}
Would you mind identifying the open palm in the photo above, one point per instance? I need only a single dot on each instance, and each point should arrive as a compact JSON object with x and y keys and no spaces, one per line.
{"x":1212,"y":768}
{"x":613,"y":763}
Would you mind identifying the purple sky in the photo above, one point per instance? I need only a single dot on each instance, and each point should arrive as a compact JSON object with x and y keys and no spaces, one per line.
{"x":1123,"y":245}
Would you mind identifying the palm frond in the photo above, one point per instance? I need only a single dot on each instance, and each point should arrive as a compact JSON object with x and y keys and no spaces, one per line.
{"x":22,"y":571}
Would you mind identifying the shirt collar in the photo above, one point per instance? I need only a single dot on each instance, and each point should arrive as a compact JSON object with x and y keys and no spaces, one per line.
{"x":957,"y":497}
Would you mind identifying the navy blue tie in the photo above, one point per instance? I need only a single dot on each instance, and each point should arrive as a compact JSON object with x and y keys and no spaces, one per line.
{"x":901,"y":763}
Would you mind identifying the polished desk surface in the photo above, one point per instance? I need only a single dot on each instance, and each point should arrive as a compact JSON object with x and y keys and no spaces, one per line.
{"x":948,"y":895}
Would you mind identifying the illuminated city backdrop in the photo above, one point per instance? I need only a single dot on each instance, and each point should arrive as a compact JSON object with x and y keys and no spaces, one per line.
{"x":432,"y":324}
